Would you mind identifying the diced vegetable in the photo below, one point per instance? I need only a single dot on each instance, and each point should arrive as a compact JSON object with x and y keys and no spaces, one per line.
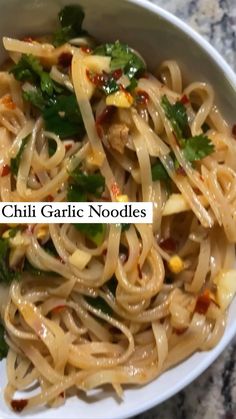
{"x":120,"y":99}
{"x":122,"y":198}
{"x":226,"y":287}
{"x":80,"y":259}
{"x":176,"y":203}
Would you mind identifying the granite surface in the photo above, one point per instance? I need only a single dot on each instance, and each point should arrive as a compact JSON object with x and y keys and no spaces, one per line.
{"x":213,"y":394}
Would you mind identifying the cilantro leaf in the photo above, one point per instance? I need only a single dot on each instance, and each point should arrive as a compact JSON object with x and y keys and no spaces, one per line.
{"x":35,"y":96}
{"x":15,"y":161}
{"x":93,"y":183}
{"x":159,"y":172}
{"x":94,"y":232}
{"x":63,"y":117}
{"x":100,"y":304}
{"x":122,"y":57}
{"x":177,"y":115}
{"x":3,"y":344}
{"x":71,"y":18}
{"x":198,"y":147}
{"x":29,"y":68}
{"x":7,"y":275}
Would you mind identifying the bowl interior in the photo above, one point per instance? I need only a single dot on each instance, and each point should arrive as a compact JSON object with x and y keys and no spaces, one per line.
{"x":157,"y":36}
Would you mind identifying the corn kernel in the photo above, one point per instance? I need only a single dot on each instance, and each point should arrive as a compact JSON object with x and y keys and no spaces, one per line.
{"x":122,"y":198}
{"x":176,"y":264}
{"x":120,"y":99}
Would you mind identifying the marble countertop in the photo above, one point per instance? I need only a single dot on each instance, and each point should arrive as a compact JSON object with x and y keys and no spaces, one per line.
{"x":213,"y":394}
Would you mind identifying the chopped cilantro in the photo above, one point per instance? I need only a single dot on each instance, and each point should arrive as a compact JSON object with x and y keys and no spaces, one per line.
{"x":15,"y":161}
{"x":3,"y":344}
{"x":7,"y":275}
{"x":198,"y":147}
{"x":29,"y":68}
{"x":122,"y":57}
{"x":159,"y":172}
{"x":71,"y":19}
{"x":177,"y":115}
{"x":94,"y":232}
{"x":81,"y":185}
{"x":100,"y":304}
{"x":63,"y":117}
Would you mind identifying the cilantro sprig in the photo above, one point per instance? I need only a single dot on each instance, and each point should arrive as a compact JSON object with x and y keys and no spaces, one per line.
{"x":15,"y":161}
{"x":194,"y":148}
{"x":7,"y":275}
{"x":3,"y":344}
{"x":122,"y":57}
{"x":71,"y":19}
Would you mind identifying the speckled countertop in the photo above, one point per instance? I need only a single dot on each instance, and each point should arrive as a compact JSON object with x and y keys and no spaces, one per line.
{"x":213,"y":394}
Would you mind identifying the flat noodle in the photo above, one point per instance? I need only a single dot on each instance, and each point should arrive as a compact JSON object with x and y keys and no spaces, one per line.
{"x":148,"y":296}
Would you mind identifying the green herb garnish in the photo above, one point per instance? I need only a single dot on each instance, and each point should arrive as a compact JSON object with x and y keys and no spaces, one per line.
{"x":100,"y":304}
{"x":177,"y":115}
{"x":159,"y":172}
{"x":198,"y":147}
{"x":71,"y":19}
{"x":15,"y":161}
{"x":122,"y":57}
{"x":94,"y":232}
{"x":7,"y":275}
{"x":3,"y":345}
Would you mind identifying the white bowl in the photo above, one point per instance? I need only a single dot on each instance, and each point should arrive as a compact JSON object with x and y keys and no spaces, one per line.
{"x":157,"y":35}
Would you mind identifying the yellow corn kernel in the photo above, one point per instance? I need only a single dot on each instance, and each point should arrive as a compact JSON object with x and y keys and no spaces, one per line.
{"x":95,"y":159}
{"x":122,"y":198}
{"x":42,"y":232}
{"x":176,"y":264}
{"x":120,"y":99}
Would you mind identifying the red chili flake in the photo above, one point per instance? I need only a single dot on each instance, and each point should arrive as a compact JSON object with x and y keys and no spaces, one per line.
{"x":196,"y":190}
{"x":97,"y":79}
{"x":180,"y":331}
{"x":87,"y":50}
{"x":65,"y":59}
{"x":68,"y":147}
{"x":50,"y":198}
{"x":115,"y":189}
{"x":5,"y":170}
{"x":19,"y":405}
{"x":180,"y":171}
{"x":142,"y":98}
{"x":145,"y":75}
{"x":116,"y":74}
{"x":203,"y":302}
{"x":106,"y":115}
{"x":184,"y":100}
{"x":58,"y":309}
{"x":62,"y":394}
{"x":104,"y":252}
{"x":169,"y":244}
{"x":234,"y":130}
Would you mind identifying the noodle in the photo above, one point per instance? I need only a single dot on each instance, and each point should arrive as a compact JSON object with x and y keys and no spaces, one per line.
{"x":148,"y":296}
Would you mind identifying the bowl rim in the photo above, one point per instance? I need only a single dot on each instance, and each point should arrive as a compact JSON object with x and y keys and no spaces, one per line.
{"x":230,"y":331}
